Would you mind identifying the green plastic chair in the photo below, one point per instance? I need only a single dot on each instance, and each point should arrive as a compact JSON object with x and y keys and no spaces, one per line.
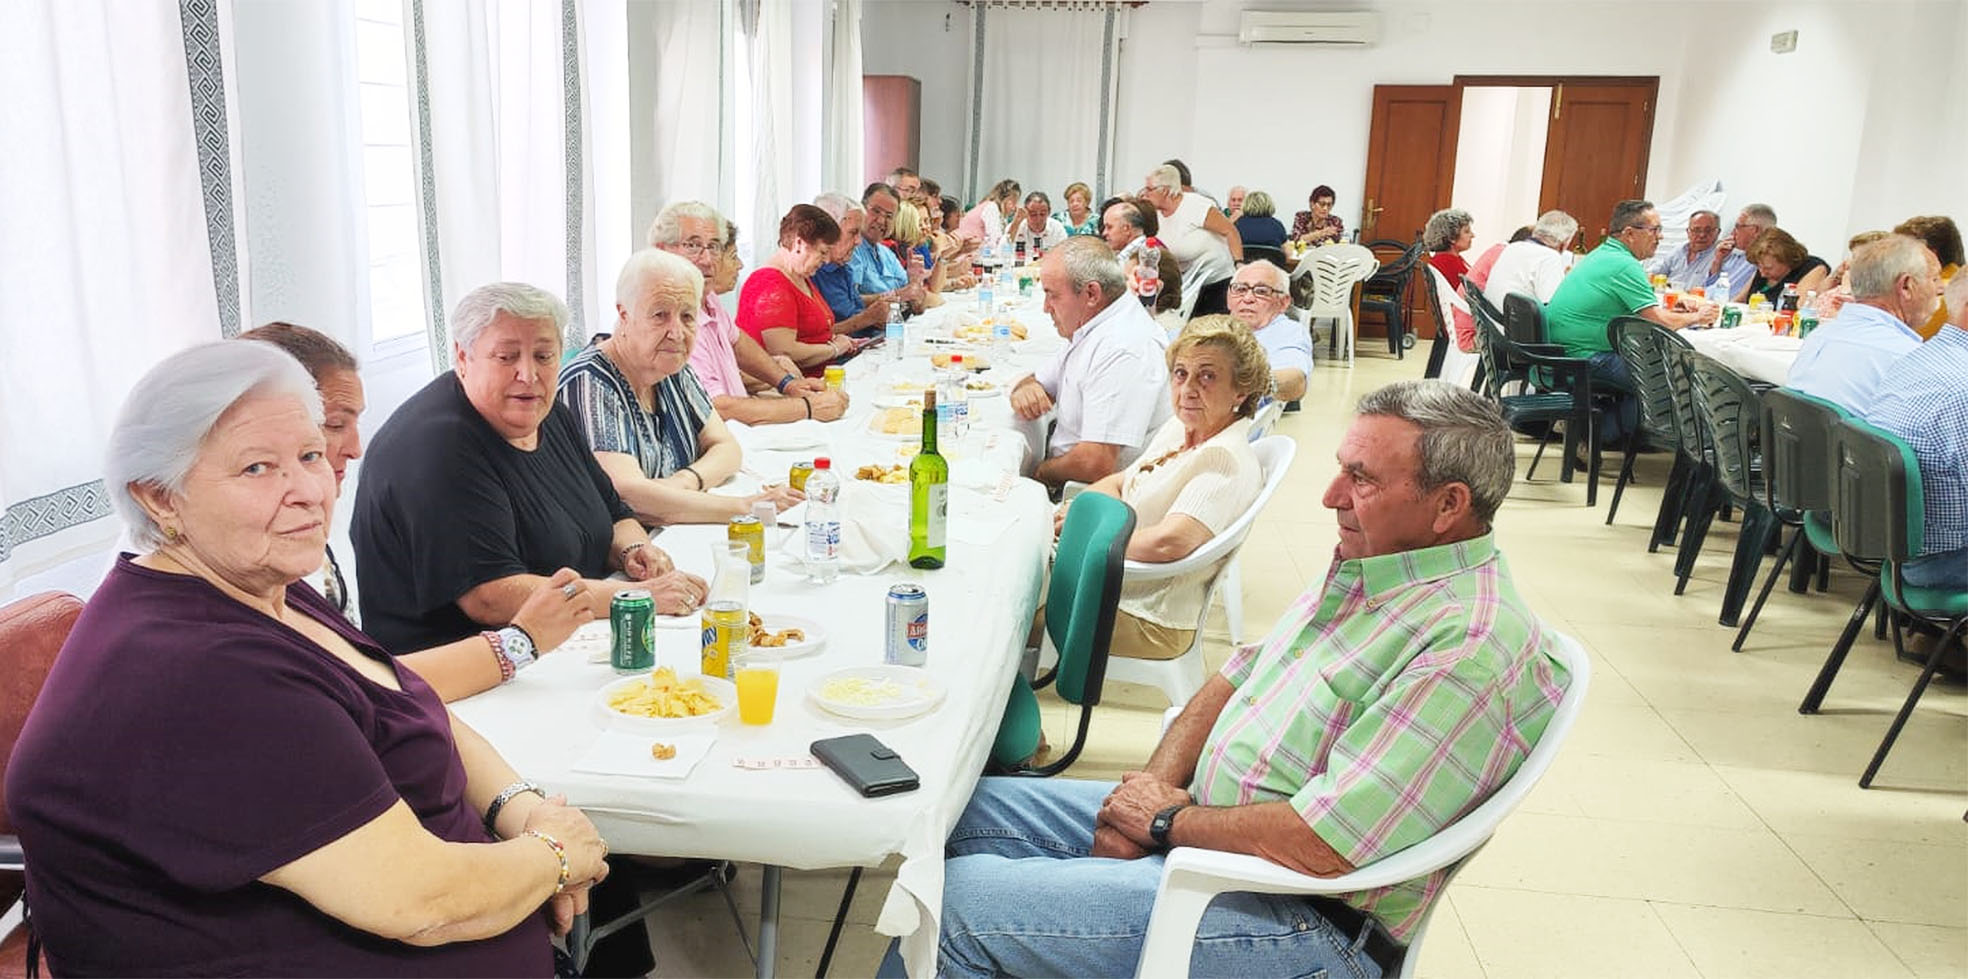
{"x":1798,"y":449}
{"x":1081,"y":603}
{"x":1880,"y":515}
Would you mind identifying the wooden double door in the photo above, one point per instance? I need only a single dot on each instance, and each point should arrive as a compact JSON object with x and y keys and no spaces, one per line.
{"x":1595,"y":155}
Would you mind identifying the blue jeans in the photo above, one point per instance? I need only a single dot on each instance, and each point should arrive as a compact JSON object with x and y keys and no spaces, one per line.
{"x":1022,"y":898}
{"x":1610,"y":371}
{"x":1944,"y":569}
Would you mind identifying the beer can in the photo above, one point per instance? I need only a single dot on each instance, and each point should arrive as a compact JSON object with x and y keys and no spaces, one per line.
{"x":796,"y":476}
{"x":836,"y":377}
{"x":746,"y":528}
{"x":907,"y":641}
{"x":631,"y":616}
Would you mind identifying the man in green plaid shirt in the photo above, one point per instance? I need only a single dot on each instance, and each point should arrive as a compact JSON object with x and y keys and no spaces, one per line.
{"x":1390,"y":700}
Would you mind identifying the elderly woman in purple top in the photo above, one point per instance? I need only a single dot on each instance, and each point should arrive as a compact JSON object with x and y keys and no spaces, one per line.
{"x":223,"y":776}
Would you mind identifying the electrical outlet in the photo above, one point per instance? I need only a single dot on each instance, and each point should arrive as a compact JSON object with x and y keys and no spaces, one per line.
{"x":1783,"y":43}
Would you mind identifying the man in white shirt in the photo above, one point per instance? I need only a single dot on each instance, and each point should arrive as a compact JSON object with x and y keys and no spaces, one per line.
{"x":1038,"y":230}
{"x":1895,"y":281}
{"x":1125,"y":223}
{"x":1110,"y":383}
{"x":1259,"y":295}
{"x":1691,"y":264}
{"x":1536,"y":265}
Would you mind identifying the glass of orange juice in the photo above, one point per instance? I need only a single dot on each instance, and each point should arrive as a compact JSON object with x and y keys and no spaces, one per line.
{"x":757,"y":679}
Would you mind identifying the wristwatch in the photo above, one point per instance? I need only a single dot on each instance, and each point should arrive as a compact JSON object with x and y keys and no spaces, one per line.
{"x":1163,"y":823}
{"x":517,"y":647}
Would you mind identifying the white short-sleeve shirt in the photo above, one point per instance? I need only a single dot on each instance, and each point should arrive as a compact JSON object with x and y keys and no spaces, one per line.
{"x":1526,"y":267}
{"x":1110,"y":383}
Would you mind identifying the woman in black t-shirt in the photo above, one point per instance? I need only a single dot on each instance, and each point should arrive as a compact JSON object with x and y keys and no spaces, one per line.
{"x":1781,"y":261}
{"x":480,"y":485}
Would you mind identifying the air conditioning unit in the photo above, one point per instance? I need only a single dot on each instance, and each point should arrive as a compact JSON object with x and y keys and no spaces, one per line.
{"x":1288,"y":27}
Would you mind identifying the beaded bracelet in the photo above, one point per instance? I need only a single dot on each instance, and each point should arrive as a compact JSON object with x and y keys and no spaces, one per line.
{"x":499,"y":654}
{"x":560,"y":852}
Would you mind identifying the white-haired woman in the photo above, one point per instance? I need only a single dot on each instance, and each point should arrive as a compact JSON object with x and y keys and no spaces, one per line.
{"x":1447,"y":235}
{"x":1205,"y":244}
{"x":643,"y":413}
{"x":222,"y":775}
{"x":454,"y":670}
{"x":480,"y":485}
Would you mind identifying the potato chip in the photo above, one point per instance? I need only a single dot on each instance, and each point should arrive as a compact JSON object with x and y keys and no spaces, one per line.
{"x":663,"y":695}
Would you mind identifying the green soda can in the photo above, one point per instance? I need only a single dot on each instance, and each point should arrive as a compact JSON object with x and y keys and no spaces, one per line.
{"x":631,"y":617}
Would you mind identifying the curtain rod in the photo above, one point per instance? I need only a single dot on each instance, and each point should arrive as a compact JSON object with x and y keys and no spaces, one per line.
{"x":1054,"y":4}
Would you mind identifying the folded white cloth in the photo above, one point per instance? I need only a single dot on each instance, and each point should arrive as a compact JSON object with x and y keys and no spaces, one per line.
{"x":787,"y":437}
{"x":874,"y":527}
{"x":617,"y":753}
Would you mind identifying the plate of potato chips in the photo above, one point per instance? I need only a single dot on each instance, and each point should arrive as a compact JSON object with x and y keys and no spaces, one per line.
{"x":661,"y":701}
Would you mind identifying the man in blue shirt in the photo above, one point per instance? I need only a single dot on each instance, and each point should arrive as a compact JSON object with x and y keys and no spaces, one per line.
{"x":1927,"y":406}
{"x":1691,"y":264}
{"x":877,"y":272}
{"x":1732,"y":256}
{"x":835,"y":279}
{"x":1895,"y":281}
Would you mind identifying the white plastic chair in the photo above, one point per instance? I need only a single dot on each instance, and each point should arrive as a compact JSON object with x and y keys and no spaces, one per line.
{"x":1181,"y":677}
{"x":1458,"y":366}
{"x":1192,"y":877}
{"x":1335,"y":270}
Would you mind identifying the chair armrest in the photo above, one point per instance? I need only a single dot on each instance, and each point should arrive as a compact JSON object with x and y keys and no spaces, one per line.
{"x":1070,"y":490}
{"x":12,"y":857}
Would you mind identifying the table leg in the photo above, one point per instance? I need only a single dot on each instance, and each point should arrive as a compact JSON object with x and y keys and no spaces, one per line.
{"x":768,"y":949}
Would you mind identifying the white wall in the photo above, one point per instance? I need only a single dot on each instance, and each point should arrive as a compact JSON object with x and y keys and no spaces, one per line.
{"x":928,"y":40}
{"x":1875,"y":96}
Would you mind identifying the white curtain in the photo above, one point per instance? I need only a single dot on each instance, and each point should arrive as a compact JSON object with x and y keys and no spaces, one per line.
{"x":777,"y":117}
{"x":605,"y":82}
{"x":679,"y":90}
{"x":499,"y":150}
{"x":842,"y":162}
{"x":1042,"y":110}
{"x":115,"y":251}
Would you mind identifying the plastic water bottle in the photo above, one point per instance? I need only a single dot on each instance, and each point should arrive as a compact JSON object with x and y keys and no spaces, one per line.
{"x":986,"y":289}
{"x":949,"y":380}
{"x":1723,"y":292}
{"x":895,"y":333}
{"x":823,"y":524}
{"x":958,"y":399}
{"x":1807,"y":314}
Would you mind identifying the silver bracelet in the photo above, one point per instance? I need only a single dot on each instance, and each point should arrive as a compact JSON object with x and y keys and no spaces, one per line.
{"x":506,"y":795}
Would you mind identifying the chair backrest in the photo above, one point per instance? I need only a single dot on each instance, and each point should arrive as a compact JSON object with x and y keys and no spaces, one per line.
{"x":1269,"y":253}
{"x":1392,"y":279}
{"x":1799,"y":449}
{"x":1489,"y":328}
{"x":1446,"y":358}
{"x":1086,"y":591}
{"x":32,"y":631}
{"x":1638,"y":340}
{"x":1266,"y":417}
{"x":1274,"y":457}
{"x":1335,"y":270}
{"x":1880,"y":508}
{"x":1695,"y":440}
{"x":1732,"y":416}
{"x":1523,"y":318}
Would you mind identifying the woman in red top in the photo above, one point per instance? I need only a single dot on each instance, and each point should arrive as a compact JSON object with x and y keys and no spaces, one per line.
{"x":1448,"y":234}
{"x":779,"y":305}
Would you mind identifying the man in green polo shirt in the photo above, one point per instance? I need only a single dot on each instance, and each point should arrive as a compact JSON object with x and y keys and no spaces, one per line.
{"x":1607,"y":283}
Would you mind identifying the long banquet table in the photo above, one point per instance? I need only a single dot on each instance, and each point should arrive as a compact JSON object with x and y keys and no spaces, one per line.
{"x":980,"y":606}
{"x":1752,"y":351}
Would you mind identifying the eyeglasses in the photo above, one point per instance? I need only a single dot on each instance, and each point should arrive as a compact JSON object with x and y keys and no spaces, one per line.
{"x":1652,"y":229}
{"x":697,"y":246}
{"x":1261,"y":292}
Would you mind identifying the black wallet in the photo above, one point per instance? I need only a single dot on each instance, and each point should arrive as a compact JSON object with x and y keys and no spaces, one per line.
{"x":872,"y":768}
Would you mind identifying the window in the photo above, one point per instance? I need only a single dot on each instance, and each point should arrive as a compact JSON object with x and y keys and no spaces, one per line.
{"x":396,"y":282}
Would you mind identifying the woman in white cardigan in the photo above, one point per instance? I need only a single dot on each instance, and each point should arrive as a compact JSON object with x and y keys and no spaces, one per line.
{"x":1196,"y":477}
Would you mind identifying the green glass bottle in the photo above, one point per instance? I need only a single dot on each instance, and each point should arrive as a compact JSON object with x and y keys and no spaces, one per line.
{"x":929,"y":495}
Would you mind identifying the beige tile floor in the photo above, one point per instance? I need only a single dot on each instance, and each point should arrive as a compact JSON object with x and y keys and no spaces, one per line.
{"x":1695,"y":825}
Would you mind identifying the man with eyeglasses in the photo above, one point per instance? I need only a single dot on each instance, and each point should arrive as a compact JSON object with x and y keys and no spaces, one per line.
{"x":878,"y":274}
{"x":729,"y":364}
{"x":835,"y":279}
{"x":1693,"y":263}
{"x":1260,"y":293}
{"x":1732,"y":254}
{"x":1607,"y":283}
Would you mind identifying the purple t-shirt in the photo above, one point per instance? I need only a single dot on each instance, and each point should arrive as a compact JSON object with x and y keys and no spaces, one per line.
{"x":186,"y":745}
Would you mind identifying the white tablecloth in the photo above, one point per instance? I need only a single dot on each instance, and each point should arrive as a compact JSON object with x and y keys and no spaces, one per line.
{"x":981,"y":605}
{"x":1751,"y":351}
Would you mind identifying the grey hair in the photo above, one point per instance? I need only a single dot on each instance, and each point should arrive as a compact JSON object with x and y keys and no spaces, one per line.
{"x":665,"y":229}
{"x":1166,"y":177}
{"x":1040,"y":196}
{"x":172,"y":409}
{"x":1717,"y":217}
{"x":1555,"y":228}
{"x":1762,"y":214}
{"x":1444,"y":227}
{"x":837,"y":205}
{"x":1878,"y":266}
{"x":1463,"y":438}
{"x":655,"y":263}
{"x":1258,"y":204}
{"x":1627,"y":214}
{"x":1087,"y":258}
{"x":1278,"y":279}
{"x":482,"y":305}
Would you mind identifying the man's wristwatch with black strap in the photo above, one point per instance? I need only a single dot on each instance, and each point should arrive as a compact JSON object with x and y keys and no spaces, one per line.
{"x":1163,"y":823}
